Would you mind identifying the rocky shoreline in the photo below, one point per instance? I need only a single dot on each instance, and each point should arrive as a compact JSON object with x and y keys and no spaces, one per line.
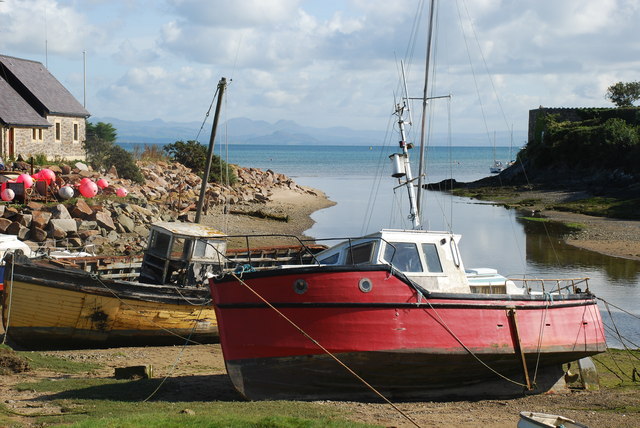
{"x":111,"y":225}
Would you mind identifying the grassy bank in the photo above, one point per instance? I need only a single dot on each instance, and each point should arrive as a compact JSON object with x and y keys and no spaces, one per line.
{"x":525,"y":197}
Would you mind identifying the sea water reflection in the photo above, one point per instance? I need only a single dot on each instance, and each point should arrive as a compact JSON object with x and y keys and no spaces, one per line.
{"x":493,"y":236}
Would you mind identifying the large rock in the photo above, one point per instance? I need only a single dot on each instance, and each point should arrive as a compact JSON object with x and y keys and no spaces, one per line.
{"x":23,"y":219}
{"x":68,"y":225}
{"x":19,"y":230}
{"x":37,"y":234}
{"x":126,"y":222}
{"x":4,"y":223}
{"x":81,"y":209}
{"x":60,"y":212}
{"x":104,"y":220}
{"x":40,"y":219}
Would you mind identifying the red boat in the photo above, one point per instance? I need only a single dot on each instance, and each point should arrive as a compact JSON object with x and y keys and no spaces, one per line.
{"x":386,"y":322}
{"x":396,"y":312}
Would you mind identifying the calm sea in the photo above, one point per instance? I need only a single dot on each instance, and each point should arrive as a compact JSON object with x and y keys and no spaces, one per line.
{"x":358,"y":179}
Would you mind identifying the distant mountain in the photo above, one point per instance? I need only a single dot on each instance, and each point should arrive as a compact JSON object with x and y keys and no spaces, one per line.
{"x":284,"y":132}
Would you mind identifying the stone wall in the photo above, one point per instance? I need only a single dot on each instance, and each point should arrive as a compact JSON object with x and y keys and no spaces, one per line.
{"x":68,"y":146}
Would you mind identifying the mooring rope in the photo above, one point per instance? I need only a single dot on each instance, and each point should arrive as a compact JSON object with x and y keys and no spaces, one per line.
{"x":177,"y":360}
{"x":325,"y":350}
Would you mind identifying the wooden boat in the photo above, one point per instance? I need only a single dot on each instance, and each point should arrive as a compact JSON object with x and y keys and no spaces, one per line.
{"x":395,"y":312}
{"x":117,"y":301}
{"x":538,"y":420}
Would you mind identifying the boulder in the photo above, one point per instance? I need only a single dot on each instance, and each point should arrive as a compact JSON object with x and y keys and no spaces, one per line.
{"x":126,"y":222}
{"x":37,"y":234}
{"x":81,"y":166}
{"x":68,"y":225}
{"x":10,"y":212}
{"x":40,"y":219}
{"x":103,"y":219}
{"x":60,"y":212}
{"x":19,"y":230}
{"x":4,"y":223}
{"x":81,"y":209}
{"x":23,"y":219}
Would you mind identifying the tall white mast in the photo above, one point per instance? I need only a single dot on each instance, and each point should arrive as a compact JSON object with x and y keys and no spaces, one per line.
{"x":423,"y":144}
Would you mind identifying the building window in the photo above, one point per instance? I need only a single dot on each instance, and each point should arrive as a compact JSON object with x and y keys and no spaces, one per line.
{"x":40,"y":134}
{"x":58,"y":132}
{"x":75,"y":132}
{"x":34,"y":134}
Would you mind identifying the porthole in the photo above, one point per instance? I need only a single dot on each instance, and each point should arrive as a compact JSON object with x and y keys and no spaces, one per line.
{"x":300,"y":286}
{"x":365,"y":285}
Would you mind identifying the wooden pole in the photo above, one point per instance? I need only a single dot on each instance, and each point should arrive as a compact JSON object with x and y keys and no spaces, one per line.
{"x":205,"y":177}
{"x":518,"y":347}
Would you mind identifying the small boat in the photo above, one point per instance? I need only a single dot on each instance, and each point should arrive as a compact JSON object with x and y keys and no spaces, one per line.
{"x":497,"y":167}
{"x":396,"y":314}
{"x":538,"y":420}
{"x":161,"y":298}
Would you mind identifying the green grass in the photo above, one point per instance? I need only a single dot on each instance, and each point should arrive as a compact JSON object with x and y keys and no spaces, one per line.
{"x":60,"y":365}
{"x":603,"y":207}
{"x":99,"y":402}
{"x":616,"y":369}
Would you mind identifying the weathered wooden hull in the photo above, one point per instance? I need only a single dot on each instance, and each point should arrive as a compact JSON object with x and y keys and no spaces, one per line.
{"x":405,"y":345}
{"x":46,"y":306}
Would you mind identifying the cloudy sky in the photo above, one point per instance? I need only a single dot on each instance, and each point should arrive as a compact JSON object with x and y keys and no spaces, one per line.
{"x":328,"y":62}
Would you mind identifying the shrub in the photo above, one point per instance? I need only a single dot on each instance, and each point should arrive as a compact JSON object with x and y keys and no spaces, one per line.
{"x":194,"y":155}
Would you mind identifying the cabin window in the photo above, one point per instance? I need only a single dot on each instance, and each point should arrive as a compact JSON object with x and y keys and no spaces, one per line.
{"x":331,"y":260}
{"x":181,"y":248}
{"x":359,"y":254}
{"x":403,"y":257}
{"x":432,"y":258}
{"x":159,"y":245}
{"x":58,"y":131}
{"x":34,"y":135}
{"x":207,"y":248}
{"x":75,"y":133}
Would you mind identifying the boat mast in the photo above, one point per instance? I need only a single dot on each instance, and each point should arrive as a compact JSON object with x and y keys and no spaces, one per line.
{"x":423,"y":145}
{"x":222,"y":84}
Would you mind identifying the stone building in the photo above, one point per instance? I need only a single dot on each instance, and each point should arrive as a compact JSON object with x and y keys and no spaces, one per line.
{"x":38,"y":115}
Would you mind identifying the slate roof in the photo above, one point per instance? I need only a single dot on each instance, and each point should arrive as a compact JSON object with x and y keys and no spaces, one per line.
{"x":14,"y":110}
{"x":41,"y":85}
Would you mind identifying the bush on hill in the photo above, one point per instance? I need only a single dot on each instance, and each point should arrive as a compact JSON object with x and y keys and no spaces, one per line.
{"x":194,"y":155}
{"x":601,"y":141}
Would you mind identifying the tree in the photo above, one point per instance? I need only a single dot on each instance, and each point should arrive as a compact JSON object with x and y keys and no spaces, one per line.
{"x":103,"y":153}
{"x":100,"y":139}
{"x":193,"y":155}
{"x":623,"y":94}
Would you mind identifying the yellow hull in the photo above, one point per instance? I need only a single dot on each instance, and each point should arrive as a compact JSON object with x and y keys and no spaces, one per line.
{"x":37,"y":315}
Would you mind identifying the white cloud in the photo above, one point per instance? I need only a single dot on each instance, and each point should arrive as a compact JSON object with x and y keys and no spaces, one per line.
{"x":327,"y":63}
{"x":30,"y":25}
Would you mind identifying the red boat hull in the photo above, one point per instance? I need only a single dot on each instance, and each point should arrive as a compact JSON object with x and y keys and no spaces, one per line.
{"x":406,"y":345}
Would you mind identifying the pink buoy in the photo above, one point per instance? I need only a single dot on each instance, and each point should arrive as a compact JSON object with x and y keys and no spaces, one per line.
{"x":122,"y":192}
{"x":89,"y":189}
{"x":26,"y":179}
{"x":85,"y":180}
{"x":47,"y":175}
{"x":7,"y":195}
{"x":102,"y":183}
